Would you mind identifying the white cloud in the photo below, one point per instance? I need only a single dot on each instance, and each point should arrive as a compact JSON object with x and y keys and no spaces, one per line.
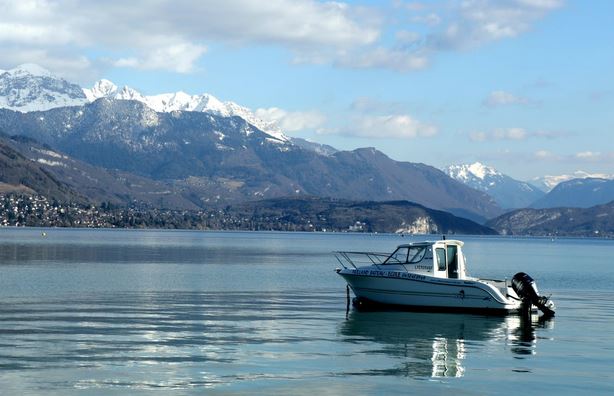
{"x":407,"y":37}
{"x":372,"y":118}
{"x":503,"y":98}
{"x":173,"y":35}
{"x":68,"y":65}
{"x":579,"y":157}
{"x":550,"y":181}
{"x":477,"y":22}
{"x":431,"y":19}
{"x":478,"y":136}
{"x":451,"y":26}
{"x":292,"y":121}
{"x":384,"y":58}
{"x":499,"y":134}
{"x":544,"y":155}
{"x":511,"y":134}
{"x":368,"y":105}
{"x":589,"y":156}
{"x":386,"y":126}
{"x":28,"y":34}
{"x":179,"y":57}
{"x":412,"y":6}
{"x":543,"y":4}
{"x":548,"y":134}
{"x":147,"y":35}
{"x":289,"y":22}
{"x":518,"y":134}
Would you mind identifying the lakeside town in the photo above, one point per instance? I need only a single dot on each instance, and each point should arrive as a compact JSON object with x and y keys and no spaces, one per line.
{"x":38,"y":211}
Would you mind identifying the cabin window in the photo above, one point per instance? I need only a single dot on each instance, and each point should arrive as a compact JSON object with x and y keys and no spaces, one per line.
{"x":441,"y":258}
{"x":398,"y":257}
{"x":407,"y":255}
{"x":416,"y":254}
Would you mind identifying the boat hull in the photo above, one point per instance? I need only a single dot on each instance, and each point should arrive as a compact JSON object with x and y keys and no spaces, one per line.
{"x":421,"y":292}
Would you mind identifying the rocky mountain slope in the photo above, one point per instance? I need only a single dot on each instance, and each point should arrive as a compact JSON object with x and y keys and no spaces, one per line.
{"x":29,"y":87}
{"x":340,"y":215}
{"x":548,"y":182}
{"x":181,"y":101}
{"x":20,"y":175}
{"x":596,"y":221}
{"x":96,"y":184}
{"x":211,"y":151}
{"x":578,"y":193}
{"x":221,"y":159}
{"x":507,"y":192}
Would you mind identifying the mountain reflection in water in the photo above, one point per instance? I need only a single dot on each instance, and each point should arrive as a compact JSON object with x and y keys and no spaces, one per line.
{"x":437,"y":344}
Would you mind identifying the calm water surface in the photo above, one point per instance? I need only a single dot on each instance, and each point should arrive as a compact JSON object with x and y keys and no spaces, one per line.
{"x":175,"y":312}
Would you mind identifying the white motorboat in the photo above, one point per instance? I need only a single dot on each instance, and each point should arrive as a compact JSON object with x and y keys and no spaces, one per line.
{"x":432,"y":275}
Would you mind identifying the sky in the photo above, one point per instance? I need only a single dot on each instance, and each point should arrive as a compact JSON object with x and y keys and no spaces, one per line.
{"x":525,"y":86}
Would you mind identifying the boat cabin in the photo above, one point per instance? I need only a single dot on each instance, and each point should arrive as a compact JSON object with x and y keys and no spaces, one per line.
{"x":440,"y":259}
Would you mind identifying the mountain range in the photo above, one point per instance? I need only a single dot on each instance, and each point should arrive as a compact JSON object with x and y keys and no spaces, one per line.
{"x":18,"y":174}
{"x":578,"y":193}
{"x":338,"y":215}
{"x":184,"y":151}
{"x":549,"y":182}
{"x":83,"y":181}
{"x":214,"y":152}
{"x":595,"y":221}
{"x":509,"y":193}
{"x":29,"y":87}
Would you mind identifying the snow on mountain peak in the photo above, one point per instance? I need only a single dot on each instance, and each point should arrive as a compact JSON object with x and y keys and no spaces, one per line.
{"x":548,"y":182}
{"x":465,"y":172}
{"x":31,"y":69}
{"x":506,"y":191}
{"x":101,"y":89}
{"x":480,"y":170}
{"x":181,"y":101}
{"x":30,"y":87}
{"x":127,"y":93}
{"x":211,"y":104}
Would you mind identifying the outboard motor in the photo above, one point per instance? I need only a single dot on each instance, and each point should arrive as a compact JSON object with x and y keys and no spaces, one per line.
{"x":526,"y":289}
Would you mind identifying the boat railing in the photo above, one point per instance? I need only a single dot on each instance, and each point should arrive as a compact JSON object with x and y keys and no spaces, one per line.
{"x":357,"y":259}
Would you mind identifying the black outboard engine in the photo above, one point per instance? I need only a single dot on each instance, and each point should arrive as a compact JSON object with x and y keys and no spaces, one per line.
{"x":526,"y":289}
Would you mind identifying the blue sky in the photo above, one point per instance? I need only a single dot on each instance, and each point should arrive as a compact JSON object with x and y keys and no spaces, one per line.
{"x":525,"y":86}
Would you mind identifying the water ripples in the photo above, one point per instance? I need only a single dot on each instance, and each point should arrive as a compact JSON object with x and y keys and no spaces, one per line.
{"x":178,"y":334}
{"x":205,"y":339}
{"x":136,"y":312}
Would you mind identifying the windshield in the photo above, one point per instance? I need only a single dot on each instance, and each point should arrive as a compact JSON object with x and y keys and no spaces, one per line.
{"x":407,"y":255}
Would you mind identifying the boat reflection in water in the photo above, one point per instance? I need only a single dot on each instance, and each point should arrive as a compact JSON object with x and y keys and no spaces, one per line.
{"x":437,"y":344}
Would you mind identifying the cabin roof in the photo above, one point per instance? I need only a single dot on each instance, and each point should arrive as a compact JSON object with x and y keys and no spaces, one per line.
{"x":429,"y":243}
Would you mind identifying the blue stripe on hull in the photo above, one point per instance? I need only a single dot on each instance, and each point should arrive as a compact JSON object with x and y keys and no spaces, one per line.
{"x":364,"y":304}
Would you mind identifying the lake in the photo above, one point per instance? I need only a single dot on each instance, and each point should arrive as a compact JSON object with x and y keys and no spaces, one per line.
{"x":103,"y":312}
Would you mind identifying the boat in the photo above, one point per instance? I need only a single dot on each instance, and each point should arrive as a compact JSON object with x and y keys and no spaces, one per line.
{"x":432,"y":275}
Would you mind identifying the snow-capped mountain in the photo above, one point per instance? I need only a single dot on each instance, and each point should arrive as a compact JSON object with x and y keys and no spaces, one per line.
{"x":216,"y":159}
{"x":181,"y":101}
{"x":578,"y":193}
{"x":549,"y":182}
{"x":475,"y":173}
{"x":507,"y":192}
{"x":29,"y":87}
